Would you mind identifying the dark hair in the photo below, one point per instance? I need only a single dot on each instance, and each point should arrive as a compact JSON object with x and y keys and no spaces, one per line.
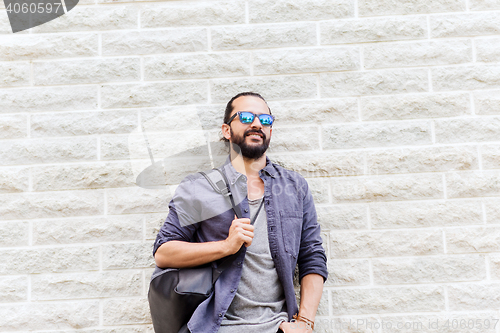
{"x":230,"y":108}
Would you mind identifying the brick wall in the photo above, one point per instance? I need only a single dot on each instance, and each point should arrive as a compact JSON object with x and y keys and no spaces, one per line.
{"x":389,"y":108}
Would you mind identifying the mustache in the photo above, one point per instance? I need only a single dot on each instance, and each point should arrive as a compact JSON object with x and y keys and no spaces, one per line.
{"x":253,"y":131}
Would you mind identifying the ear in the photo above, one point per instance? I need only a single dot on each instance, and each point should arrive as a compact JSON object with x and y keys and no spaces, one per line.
{"x":226,"y":131}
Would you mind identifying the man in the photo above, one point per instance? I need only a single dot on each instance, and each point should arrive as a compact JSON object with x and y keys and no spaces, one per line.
{"x":255,"y":294}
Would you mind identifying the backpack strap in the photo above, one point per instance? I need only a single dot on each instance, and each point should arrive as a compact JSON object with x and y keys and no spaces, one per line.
{"x":218,"y":180}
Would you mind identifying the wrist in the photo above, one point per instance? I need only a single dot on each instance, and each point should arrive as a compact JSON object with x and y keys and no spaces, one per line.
{"x":223,"y":248}
{"x":303,"y":312}
{"x":309,"y":316}
{"x":308,"y":321}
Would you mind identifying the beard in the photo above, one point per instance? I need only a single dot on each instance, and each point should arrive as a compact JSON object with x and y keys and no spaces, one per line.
{"x":253,"y":151}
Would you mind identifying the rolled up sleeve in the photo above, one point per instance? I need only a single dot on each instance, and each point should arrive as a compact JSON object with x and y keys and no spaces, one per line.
{"x":312,"y":257}
{"x":183,"y":218}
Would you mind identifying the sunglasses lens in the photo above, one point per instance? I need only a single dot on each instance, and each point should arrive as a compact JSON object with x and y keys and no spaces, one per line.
{"x":266,"y":120}
{"x":246,"y":117}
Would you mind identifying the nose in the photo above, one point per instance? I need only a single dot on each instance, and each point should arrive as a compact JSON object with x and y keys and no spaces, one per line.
{"x":256,"y":123}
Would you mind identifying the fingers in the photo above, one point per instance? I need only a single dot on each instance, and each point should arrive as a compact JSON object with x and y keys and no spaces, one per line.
{"x":247,"y":227}
{"x":247,"y":241}
{"x":242,"y":232}
{"x":247,"y":238}
{"x":243,"y":224}
{"x":242,"y":220}
{"x":247,"y":233}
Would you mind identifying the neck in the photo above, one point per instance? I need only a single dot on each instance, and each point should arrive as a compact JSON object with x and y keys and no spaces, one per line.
{"x":246,"y":166}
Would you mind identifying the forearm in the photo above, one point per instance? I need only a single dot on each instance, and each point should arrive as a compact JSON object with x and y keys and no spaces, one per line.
{"x":180,"y":254}
{"x":311,"y":289}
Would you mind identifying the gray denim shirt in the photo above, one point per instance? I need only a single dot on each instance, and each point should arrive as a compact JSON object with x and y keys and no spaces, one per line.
{"x":199,"y":214}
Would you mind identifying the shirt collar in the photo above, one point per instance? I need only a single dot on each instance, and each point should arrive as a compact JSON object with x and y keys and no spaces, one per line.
{"x":233,"y":175}
{"x":269,"y":168}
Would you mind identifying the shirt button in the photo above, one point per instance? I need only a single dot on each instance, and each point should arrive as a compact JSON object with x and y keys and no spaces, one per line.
{"x":246,"y":210}
{"x":239,"y":264}
{"x":232,"y":290}
{"x":220,"y":314}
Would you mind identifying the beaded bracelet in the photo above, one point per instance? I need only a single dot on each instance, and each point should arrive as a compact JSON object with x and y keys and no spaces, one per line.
{"x":309,"y":322}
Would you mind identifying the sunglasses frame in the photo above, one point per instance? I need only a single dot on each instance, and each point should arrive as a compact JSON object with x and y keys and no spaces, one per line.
{"x":254,"y":115}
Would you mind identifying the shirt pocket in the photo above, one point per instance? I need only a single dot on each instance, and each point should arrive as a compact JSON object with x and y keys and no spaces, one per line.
{"x":291,"y":227}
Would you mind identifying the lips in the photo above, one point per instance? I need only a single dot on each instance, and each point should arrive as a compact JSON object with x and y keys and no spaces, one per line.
{"x":255,"y":135}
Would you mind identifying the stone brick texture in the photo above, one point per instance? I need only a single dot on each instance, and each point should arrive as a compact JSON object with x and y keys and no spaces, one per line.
{"x":389,"y":108}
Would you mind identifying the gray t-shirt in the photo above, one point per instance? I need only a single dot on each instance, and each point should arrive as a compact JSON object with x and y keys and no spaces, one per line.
{"x":259,"y":303}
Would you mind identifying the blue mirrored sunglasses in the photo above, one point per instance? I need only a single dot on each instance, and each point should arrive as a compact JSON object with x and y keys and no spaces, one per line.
{"x":247,"y":117}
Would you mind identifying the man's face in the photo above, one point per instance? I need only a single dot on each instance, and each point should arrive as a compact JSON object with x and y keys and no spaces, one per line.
{"x":253,"y":139}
